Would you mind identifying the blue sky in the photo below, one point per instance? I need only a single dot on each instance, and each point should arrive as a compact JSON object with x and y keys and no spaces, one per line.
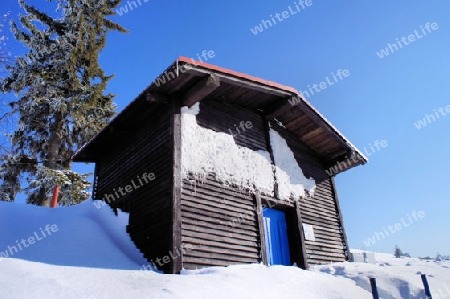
{"x":381,"y":99}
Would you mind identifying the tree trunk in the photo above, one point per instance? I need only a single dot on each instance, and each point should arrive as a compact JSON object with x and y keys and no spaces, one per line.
{"x":43,"y":200}
{"x":52,"y":160}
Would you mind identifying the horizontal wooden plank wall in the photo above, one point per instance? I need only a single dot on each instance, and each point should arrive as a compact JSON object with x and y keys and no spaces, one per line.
{"x":219,"y":221}
{"x":148,"y":150}
{"x":319,"y":210}
{"x":219,"y":224}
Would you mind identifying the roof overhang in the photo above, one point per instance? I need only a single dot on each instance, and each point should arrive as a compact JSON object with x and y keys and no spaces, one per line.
{"x":192,"y":81}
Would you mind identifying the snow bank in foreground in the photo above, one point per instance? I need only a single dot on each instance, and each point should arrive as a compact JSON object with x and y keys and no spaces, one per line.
{"x":91,"y":257}
{"x":81,"y":236}
{"x":205,"y":150}
{"x":21,"y":279}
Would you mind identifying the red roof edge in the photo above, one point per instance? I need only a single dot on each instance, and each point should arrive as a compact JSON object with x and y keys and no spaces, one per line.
{"x":237,"y":74}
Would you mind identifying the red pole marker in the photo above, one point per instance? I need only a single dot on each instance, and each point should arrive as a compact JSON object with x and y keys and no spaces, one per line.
{"x":55,"y":196}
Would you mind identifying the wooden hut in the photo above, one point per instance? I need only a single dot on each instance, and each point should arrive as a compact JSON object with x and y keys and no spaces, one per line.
{"x":216,"y":168}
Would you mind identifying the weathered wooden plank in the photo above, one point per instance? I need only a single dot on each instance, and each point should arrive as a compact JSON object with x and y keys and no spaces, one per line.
{"x":323,"y":231}
{"x":325,"y":259}
{"x":197,"y":263}
{"x":324,"y":208}
{"x":262,"y":236}
{"x":209,"y":192}
{"x":224,"y":240}
{"x":321,"y":210}
{"x":156,"y":158}
{"x":324,"y":218}
{"x":311,"y":210}
{"x":216,"y":204}
{"x":324,"y":241}
{"x":216,"y":232}
{"x":217,"y":227}
{"x":229,"y":191}
{"x":216,"y":194}
{"x":214,"y":256}
{"x":312,"y":134}
{"x":230,"y":221}
{"x":224,"y":229}
{"x":303,"y":256}
{"x":110,"y":184}
{"x":321,"y":237}
{"x":225,"y":212}
{"x":319,"y":226}
{"x":230,"y":252}
{"x":194,"y":240}
{"x":326,"y":254}
{"x":319,"y":213}
{"x":213,"y":197}
{"x":153,"y":156}
{"x":324,"y":222}
{"x":225,"y":223}
{"x":326,"y":247}
{"x":176,"y":264}
{"x":341,"y":220}
{"x":136,"y":148}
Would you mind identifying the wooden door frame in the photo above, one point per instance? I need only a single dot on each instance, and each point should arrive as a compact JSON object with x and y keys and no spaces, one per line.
{"x":295,"y":230}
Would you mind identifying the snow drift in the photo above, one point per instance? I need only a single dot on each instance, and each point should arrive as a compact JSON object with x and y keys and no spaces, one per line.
{"x":90,"y":256}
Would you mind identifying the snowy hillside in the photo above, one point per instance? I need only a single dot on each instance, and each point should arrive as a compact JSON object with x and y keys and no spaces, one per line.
{"x":84,"y":252}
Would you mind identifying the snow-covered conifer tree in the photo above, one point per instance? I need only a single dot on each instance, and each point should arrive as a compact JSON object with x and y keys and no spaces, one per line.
{"x":60,"y":101}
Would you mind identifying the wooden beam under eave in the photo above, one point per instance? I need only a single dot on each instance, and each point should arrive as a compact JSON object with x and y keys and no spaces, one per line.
{"x":281,"y":108}
{"x":337,"y":154}
{"x":200,"y":90}
{"x":155,"y":97}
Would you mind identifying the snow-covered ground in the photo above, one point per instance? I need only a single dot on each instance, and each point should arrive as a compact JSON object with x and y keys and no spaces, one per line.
{"x":83,"y":252}
{"x":396,"y":277}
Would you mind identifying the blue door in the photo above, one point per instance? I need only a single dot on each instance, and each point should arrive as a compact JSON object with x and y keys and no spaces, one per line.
{"x":277,"y":245}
